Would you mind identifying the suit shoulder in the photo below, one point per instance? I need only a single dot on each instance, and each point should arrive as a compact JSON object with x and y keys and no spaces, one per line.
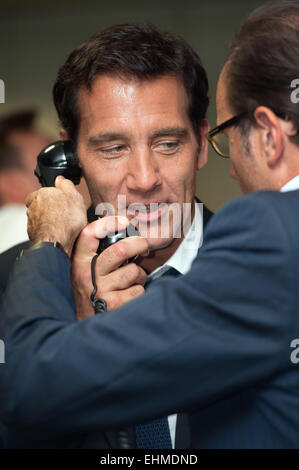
{"x":267,"y":202}
{"x":257,"y":217}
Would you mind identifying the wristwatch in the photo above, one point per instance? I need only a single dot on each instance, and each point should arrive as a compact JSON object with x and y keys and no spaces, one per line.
{"x":38,"y":245}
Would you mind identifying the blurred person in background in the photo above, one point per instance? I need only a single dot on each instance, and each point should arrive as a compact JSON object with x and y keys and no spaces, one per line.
{"x":20,"y":143}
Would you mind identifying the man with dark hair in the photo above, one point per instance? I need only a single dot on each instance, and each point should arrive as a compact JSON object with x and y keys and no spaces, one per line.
{"x":218,"y":341}
{"x":20,"y":142}
{"x":132,"y":52}
{"x":133,"y":101}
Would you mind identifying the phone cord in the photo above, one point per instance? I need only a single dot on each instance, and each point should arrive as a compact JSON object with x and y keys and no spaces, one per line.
{"x":99,"y":305}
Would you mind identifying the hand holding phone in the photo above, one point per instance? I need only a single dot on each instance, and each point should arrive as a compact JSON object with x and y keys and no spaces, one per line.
{"x":117,"y":280}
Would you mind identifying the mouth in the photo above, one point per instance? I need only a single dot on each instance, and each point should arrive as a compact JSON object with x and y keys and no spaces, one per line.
{"x":147,"y":212}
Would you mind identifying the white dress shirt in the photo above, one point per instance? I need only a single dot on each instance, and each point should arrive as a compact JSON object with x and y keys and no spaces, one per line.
{"x":13,"y":225}
{"x":291,"y":185}
{"x":182,"y":260}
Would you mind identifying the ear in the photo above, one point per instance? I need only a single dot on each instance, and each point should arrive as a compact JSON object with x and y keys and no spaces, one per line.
{"x":63,"y":134}
{"x":202,"y":157}
{"x":271,"y":135}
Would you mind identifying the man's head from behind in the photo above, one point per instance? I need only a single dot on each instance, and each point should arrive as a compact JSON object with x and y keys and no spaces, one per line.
{"x":134,"y":100}
{"x":255,"y":85}
{"x":20,"y":143}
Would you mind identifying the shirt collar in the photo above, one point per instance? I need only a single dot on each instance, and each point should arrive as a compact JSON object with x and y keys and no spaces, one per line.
{"x":291,"y":185}
{"x":183,"y":257}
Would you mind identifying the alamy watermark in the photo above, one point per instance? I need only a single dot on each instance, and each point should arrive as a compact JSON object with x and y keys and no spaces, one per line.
{"x":2,"y":352}
{"x":2,"y":91}
{"x":295,"y":354}
{"x":159,"y":219}
{"x":295,"y":93}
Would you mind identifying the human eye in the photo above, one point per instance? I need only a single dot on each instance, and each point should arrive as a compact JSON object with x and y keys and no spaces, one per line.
{"x":167,"y":147}
{"x":113,"y":151}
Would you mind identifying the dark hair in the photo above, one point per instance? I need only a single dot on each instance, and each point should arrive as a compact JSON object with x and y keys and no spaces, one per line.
{"x":263,"y":60}
{"x":23,"y":121}
{"x":134,"y":51}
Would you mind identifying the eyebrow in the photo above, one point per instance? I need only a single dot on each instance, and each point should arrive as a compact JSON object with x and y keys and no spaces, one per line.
{"x":170,"y":131}
{"x":104,"y":138}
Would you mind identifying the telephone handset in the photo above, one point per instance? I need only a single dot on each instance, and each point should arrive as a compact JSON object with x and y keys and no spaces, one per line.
{"x":56,"y":159}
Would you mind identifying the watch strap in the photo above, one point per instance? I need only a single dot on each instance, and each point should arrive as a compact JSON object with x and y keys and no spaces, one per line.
{"x":37,"y":246}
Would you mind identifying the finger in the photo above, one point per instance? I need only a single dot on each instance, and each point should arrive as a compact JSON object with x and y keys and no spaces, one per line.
{"x":122,"y":278}
{"x":114,"y":256}
{"x":30,"y":198}
{"x":117,"y":299}
{"x":110,"y":224}
{"x":88,"y":240}
{"x":65,"y":185}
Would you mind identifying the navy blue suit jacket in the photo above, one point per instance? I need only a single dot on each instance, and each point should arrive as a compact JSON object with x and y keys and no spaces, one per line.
{"x":215,"y":342}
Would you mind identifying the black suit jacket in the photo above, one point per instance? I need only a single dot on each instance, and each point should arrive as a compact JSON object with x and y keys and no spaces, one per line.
{"x":95,"y":440}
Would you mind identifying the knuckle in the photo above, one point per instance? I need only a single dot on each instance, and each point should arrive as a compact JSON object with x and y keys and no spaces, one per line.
{"x":137,"y":290}
{"x":120,"y":249}
{"x":142,"y":276}
{"x":144,"y":245}
{"x":104,"y":285}
{"x":86,"y":231}
{"x":45,"y":191}
{"x":112,"y":302}
{"x":133,"y":270}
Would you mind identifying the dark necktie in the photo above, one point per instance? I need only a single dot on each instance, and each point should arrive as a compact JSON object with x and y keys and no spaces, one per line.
{"x":155,"y":434}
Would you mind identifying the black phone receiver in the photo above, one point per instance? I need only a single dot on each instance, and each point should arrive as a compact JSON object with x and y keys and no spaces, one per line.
{"x":56,"y":159}
{"x":109,"y":240}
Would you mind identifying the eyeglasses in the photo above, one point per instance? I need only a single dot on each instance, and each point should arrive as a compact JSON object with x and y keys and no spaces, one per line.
{"x":220,"y":141}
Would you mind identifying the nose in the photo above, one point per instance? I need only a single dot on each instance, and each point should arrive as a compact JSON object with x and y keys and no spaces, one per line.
{"x":143,"y":172}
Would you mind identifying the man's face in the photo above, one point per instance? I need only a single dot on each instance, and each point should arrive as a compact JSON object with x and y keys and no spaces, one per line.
{"x":246,"y":167}
{"x":136,"y":140}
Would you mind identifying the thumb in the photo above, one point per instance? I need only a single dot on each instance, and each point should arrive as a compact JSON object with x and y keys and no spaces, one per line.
{"x":65,"y":185}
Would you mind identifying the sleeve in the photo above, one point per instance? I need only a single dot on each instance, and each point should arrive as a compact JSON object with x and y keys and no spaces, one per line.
{"x":187,"y":343}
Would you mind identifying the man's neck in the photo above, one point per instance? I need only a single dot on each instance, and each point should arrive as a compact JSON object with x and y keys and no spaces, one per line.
{"x":159,"y":256}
